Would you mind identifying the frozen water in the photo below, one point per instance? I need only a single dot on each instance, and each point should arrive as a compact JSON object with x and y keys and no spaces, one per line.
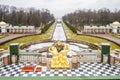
{"x":59,"y":33}
{"x":38,"y":46}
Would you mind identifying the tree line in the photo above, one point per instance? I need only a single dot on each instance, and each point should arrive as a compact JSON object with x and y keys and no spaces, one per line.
{"x":22,"y":16}
{"x":103,"y":16}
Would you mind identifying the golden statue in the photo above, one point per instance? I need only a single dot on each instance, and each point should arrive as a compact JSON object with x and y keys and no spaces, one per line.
{"x":59,"y":59}
{"x":59,"y":43}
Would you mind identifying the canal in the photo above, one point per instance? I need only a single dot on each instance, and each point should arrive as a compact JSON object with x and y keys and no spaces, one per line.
{"x":59,"y":33}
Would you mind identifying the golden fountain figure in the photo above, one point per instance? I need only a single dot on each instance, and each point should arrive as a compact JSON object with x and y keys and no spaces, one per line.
{"x":59,"y":52}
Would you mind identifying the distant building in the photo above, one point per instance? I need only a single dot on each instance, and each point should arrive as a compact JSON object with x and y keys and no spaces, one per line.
{"x":115,"y":27}
{"x":3,"y":27}
{"x":59,"y":20}
{"x":7,"y":28}
{"x":112,"y":28}
{"x":97,"y":29}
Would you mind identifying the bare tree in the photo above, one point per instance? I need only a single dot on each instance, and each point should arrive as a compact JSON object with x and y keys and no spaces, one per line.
{"x":103,"y":16}
{"x":21,"y":16}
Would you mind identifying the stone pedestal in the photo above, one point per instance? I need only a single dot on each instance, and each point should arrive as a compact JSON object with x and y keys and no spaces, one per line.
{"x":13,"y":59}
{"x":112,"y":60}
{"x":105,"y":59}
{"x":78,"y":63}
{"x":6,"y":60}
{"x":74,"y":65}
{"x":44,"y":60}
{"x":43,"y":64}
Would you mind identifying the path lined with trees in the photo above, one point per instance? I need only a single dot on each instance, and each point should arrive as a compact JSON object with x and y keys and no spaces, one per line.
{"x":41,"y":19}
{"x":77,"y":19}
{"x":28,"y":39}
{"x":90,"y":39}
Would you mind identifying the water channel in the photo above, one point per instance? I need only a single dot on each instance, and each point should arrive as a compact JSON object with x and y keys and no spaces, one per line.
{"x":59,"y":34}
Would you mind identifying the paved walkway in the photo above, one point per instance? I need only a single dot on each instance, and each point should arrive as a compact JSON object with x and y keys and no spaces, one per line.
{"x":109,"y":37}
{"x":11,"y":37}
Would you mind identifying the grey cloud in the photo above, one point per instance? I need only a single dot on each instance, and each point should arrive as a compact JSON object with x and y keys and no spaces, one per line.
{"x":61,"y":7}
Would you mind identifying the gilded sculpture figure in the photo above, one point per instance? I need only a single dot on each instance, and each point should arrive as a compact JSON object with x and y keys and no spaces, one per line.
{"x":59,"y":59}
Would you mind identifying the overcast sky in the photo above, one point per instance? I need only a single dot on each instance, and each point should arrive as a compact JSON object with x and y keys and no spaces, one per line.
{"x":62,"y":7}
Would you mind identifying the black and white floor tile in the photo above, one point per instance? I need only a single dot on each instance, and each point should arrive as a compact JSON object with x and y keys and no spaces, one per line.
{"x":85,"y":69}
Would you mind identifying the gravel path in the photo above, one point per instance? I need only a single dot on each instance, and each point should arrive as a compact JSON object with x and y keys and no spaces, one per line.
{"x":11,"y":37}
{"x":109,"y":37}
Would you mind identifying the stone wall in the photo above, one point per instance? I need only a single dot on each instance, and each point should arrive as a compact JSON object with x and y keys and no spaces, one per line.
{"x":91,"y":45}
{"x":34,"y":42}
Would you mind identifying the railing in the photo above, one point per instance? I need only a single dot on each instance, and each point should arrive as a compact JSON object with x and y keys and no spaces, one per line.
{"x":1,"y":61}
{"x":85,"y":56}
{"x":29,"y":57}
{"x":36,"y":57}
{"x":89,"y":57}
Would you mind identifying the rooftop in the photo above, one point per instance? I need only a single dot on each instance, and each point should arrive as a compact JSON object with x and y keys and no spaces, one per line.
{"x":2,"y":23}
{"x":116,"y":22}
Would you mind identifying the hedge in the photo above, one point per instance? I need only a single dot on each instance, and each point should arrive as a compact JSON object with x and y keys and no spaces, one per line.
{"x":71,"y":27}
{"x":47,"y":27}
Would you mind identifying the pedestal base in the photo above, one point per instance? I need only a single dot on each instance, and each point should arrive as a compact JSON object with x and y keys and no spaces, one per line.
{"x":75,"y":65}
{"x":43,"y":64}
